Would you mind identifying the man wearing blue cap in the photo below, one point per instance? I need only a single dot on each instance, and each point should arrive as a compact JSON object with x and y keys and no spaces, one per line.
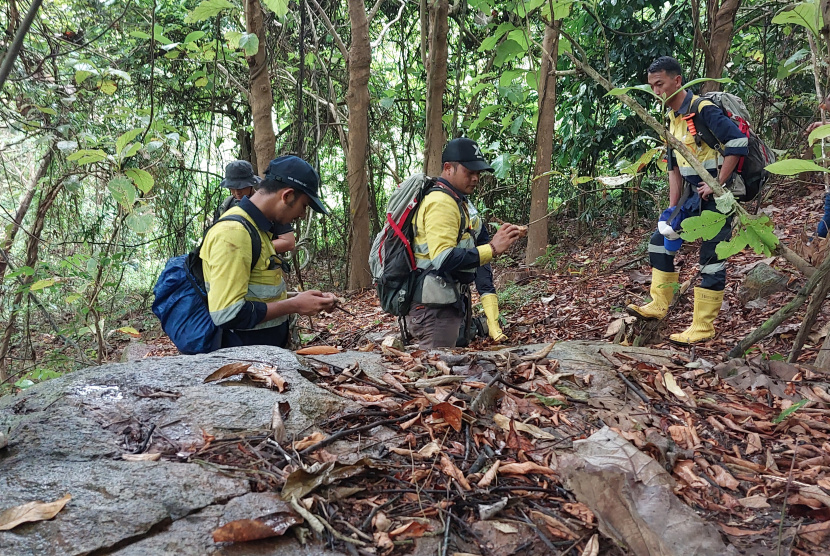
{"x":453,"y":249}
{"x":252,"y":305}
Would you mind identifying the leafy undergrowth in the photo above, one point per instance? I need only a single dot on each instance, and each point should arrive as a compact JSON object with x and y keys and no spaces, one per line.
{"x":466,"y":450}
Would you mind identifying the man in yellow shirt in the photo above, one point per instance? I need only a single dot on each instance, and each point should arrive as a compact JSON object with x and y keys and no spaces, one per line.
{"x":251,"y":306}
{"x":453,"y":249}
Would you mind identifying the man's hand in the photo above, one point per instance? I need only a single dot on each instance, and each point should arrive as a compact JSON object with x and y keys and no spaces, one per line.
{"x":504,"y":238}
{"x":311,"y":302}
{"x":704,"y":190}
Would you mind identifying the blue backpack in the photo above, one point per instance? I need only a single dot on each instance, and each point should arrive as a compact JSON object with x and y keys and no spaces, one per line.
{"x":181,"y":298}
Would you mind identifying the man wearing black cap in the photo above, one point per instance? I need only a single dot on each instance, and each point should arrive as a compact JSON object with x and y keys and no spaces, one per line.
{"x":241,"y":180}
{"x":251,"y":306}
{"x":453,"y":248}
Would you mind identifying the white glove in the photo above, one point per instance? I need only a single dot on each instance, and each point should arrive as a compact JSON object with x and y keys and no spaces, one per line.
{"x":668,"y":232}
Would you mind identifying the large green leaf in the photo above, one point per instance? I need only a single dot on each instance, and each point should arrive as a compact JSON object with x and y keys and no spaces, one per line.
{"x":207,"y":9}
{"x":490,"y":42}
{"x":279,"y":7}
{"x":759,"y":234}
{"x":125,"y":139}
{"x":141,"y":220}
{"x":123,"y":191}
{"x":804,"y":14}
{"x":142,"y":179}
{"x":793,"y":166}
{"x":726,"y":249}
{"x":249,"y":42}
{"x":819,"y":133}
{"x":87,"y":156}
{"x":501,"y":166}
{"x":507,"y":51}
{"x":705,"y":226}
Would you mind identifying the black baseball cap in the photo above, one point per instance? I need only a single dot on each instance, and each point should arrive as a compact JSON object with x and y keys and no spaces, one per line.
{"x":468,"y":153}
{"x":297,"y":174}
{"x":239,"y":174}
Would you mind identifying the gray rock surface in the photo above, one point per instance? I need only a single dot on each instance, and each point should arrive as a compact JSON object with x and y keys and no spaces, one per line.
{"x":67,"y":435}
{"x":761,"y":282}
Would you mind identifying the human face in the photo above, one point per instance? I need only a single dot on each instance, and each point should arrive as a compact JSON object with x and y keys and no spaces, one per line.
{"x":664,"y":86}
{"x":460,"y":177}
{"x":239,"y":193}
{"x":296,"y":206}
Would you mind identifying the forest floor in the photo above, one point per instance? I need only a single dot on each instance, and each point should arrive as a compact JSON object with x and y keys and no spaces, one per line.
{"x":742,"y":451}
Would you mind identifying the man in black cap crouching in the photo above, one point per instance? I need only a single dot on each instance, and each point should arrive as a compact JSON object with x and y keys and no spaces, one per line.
{"x":250,"y":304}
{"x":454,"y":249}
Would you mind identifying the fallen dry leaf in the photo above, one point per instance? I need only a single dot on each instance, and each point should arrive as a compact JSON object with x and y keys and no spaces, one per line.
{"x":450,"y":413}
{"x":536,"y":432}
{"x":506,"y":528}
{"x":309,"y":440}
{"x":579,"y":511}
{"x":31,"y":511}
{"x":490,"y":476}
{"x":226,"y":371}
{"x":724,"y":478}
{"x":449,"y":469}
{"x":592,"y":546}
{"x":141,"y":457}
{"x":756,"y":502}
{"x":318,"y":350}
{"x":525,"y":468}
{"x":815,"y":533}
{"x":737,"y":532}
{"x":244,"y":530}
{"x":555,"y":526}
{"x":671,"y":385}
{"x":411,"y":530}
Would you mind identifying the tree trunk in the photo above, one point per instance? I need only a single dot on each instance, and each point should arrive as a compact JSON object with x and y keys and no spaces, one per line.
{"x":436,"y":65}
{"x":261,"y":97}
{"x":23,"y":208}
{"x":357,"y":100}
{"x":721,"y":17}
{"x":537,"y":236}
{"x":31,"y":260}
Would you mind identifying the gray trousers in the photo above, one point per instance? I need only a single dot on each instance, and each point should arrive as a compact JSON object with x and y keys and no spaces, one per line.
{"x":433,"y":327}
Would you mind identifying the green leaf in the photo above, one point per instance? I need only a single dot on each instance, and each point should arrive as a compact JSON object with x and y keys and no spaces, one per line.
{"x":47,"y":110}
{"x":141,"y":220}
{"x":201,"y":82}
{"x":207,"y":9}
{"x":249,"y":43}
{"x":122,"y":141}
{"x":122,"y":75}
{"x":759,"y":234}
{"x":122,"y":191}
{"x":624,"y":90}
{"x":492,"y":40}
{"x":705,"y":226}
{"x":87,"y":156}
{"x":108,"y":87}
{"x":517,"y":125}
{"x":233,"y":37}
{"x":81,"y":76}
{"x":561,"y":9}
{"x":804,"y":15}
{"x":726,"y":203}
{"x":793,"y":166}
{"x":790,"y":410}
{"x":131,"y":150}
{"x":819,"y":133}
{"x":129,"y":330}
{"x":279,"y":7}
{"x":72,"y":298}
{"x":532,"y":80}
{"x":501,"y":166}
{"x":193,"y":36}
{"x":508,"y":50}
{"x":387,"y":102}
{"x":520,"y":37}
{"x":726,"y":249}
{"x":508,"y":76}
{"x":142,"y":179}
{"x":40,"y":284}
{"x":581,"y":179}
{"x":548,"y":401}
{"x":139,"y":35}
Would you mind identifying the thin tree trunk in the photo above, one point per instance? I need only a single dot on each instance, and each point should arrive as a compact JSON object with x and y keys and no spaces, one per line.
{"x":31,"y":260}
{"x":813,"y":309}
{"x":436,"y":65}
{"x":537,"y":236}
{"x":23,"y":207}
{"x":357,"y":100}
{"x":721,"y":16}
{"x":261,"y":97}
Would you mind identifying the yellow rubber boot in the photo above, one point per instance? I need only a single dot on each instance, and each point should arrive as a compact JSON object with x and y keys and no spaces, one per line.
{"x":707,"y":307}
{"x":490,"y":304}
{"x":662,"y":291}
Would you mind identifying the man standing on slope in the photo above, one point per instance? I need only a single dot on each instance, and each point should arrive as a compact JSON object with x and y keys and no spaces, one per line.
{"x":453,"y":248}
{"x":689,"y":196}
{"x":252,"y":306}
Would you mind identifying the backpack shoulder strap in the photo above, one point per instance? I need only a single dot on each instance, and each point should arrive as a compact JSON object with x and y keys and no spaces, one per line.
{"x":435,"y":185}
{"x":256,"y":241}
{"x":700,"y":125}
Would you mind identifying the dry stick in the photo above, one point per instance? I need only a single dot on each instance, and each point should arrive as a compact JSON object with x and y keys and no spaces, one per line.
{"x":784,"y":312}
{"x":813,"y":309}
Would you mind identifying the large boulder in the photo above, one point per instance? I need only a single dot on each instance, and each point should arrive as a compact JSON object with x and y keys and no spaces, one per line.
{"x":67,"y":435}
{"x":761,"y":282}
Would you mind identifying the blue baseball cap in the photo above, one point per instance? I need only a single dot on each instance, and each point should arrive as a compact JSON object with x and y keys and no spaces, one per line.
{"x":298,"y":174}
